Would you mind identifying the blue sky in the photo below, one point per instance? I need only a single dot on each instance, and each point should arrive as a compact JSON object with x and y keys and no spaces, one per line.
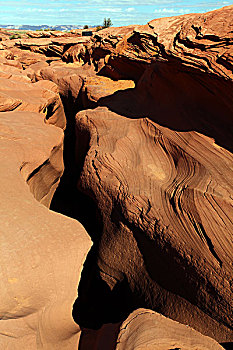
{"x":91,"y":12}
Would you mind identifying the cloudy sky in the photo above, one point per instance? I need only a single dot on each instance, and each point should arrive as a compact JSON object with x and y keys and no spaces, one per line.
{"x":92,"y":12}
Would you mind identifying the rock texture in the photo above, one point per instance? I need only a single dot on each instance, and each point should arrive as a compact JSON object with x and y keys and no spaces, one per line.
{"x":165,"y":218}
{"x":41,"y":252}
{"x":96,"y":88}
{"x":50,"y":47}
{"x":157,"y":162}
{"x":149,"y":175}
{"x":17,"y":93}
{"x":145,"y":329}
{"x":202,"y":41}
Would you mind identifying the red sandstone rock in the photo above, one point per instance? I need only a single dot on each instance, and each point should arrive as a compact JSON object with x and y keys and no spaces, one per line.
{"x":164,"y":200}
{"x":96,"y":88}
{"x":48,"y":34}
{"x":157,"y":165}
{"x":77,"y":53}
{"x":69,"y":79}
{"x":41,"y":252}
{"x":10,"y":62}
{"x":183,"y":78}
{"x":38,"y":97}
{"x":7,"y":44}
{"x":201,"y":41}
{"x":33,"y":71}
{"x":26,"y":58}
{"x":3,"y":35}
{"x":39,"y":34}
{"x":49,"y":46}
{"x":13,"y":73}
{"x":148,"y":330}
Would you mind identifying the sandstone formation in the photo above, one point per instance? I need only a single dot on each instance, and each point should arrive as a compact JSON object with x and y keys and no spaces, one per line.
{"x":202,"y":41}
{"x":145,"y":329}
{"x":17,"y":93}
{"x":97,"y":87}
{"x":159,"y":131}
{"x":147,"y":118}
{"x":50,"y":47}
{"x":26,"y":58}
{"x":165,"y":219}
{"x":41,"y":252}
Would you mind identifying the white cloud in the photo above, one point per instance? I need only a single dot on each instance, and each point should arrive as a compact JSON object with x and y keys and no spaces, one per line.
{"x":130,"y":9}
{"x":173,"y":11}
{"x":134,"y":2}
{"x":113,"y":10}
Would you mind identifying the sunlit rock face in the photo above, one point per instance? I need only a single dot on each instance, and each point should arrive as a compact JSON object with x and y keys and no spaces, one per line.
{"x":41,"y":252}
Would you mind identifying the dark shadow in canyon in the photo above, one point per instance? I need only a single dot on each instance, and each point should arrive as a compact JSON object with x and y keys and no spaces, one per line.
{"x":227,"y":346}
{"x":104,"y":338}
{"x":68,"y":200}
{"x":97,"y":304}
{"x":179,"y":98}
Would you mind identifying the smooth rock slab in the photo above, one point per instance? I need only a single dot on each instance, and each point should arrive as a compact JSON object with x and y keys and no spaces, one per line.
{"x":41,"y":252}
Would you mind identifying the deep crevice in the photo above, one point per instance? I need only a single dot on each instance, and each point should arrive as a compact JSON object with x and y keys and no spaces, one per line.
{"x":96,"y":304}
{"x":68,"y":200}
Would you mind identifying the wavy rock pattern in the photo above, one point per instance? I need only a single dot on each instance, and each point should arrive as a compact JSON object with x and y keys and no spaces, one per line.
{"x":165,"y":202}
{"x":202,"y":41}
{"x":145,"y":329}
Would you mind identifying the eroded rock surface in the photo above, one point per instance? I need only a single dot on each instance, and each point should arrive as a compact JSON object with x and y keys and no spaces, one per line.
{"x":17,"y":92}
{"x":202,"y":41}
{"x":145,"y":329}
{"x":159,"y":193}
{"x":153,"y":170}
{"x":41,"y":252}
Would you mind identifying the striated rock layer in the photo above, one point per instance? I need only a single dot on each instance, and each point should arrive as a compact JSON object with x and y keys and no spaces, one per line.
{"x":145,"y":329}
{"x":202,"y":41}
{"x":182,"y":67}
{"x":164,"y":199}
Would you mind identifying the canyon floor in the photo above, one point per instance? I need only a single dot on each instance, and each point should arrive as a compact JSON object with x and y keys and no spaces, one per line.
{"x":116,"y":187}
